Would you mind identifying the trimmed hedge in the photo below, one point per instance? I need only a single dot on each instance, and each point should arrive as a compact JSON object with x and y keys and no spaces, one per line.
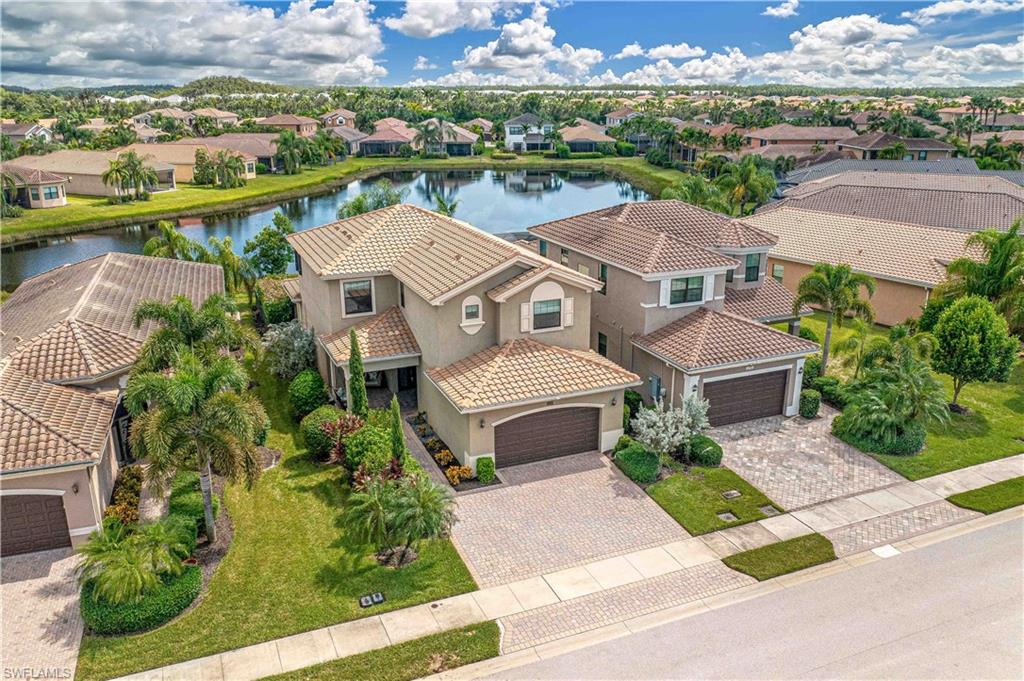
{"x":307,"y":392}
{"x":369,"y":446}
{"x":908,"y":443}
{"x":502,"y":156}
{"x":318,"y":443}
{"x":623,"y":442}
{"x":586,"y":154}
{"x":485,"y":469}
{"x":812,"y":370}
{"x":833,"y":392}
{"x":705,"y":452}
{"x":176,"y":594}
{"x":810,"y":402}
{"x":640,"y":464}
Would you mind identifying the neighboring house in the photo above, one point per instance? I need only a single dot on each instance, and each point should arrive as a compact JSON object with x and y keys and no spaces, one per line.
{"x":68,"y":343}
{"x":33,"y":188}
{"x":907,"y":261}
{"x":796,"y":135}
{"x":456,"y":140}
{"x":620,"y":116}
{"x":527,"y":132}
{"x":492,"y":338}
{"x":182,"y":155}
{"x":303,"y":126}
{"x":486,"y":127}
{"x":817,"y":171}
{"x":869,"y":145}
{"x":1002,"y":137}
{"x":966,"y":202}
{"x":792,"y":115}
{"x":220,"y":118}
{"x":84,"y":170}
{"x":339,"y":118}
{"x":389,"y":135}
{"x":585,"y":136}
{"x":261,"y":145}
{"x":20,"y":132}
{"x":351,"y":136}
{"x":1004,"y":121}
{"x":684,"y":304}
{"x":150,"y":117}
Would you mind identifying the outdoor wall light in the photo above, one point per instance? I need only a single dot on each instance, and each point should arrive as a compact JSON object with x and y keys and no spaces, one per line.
{"x":482,"y":423}
{"x":74,"y":488}
{"x":615,"y":400}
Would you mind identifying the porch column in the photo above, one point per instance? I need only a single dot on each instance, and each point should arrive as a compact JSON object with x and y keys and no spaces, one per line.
{"x":797,"y":378}
{"x":794,"y":327}
{"x":392,"y":378}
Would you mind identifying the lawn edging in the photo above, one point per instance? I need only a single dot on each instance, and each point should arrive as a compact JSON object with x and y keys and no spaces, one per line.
{"x":783,"y":557}
{"x":992,"y":498}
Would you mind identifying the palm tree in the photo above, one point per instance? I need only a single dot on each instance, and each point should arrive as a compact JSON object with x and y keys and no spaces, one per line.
{"x":171,"y":243}
{"x":698,"y":191}
{"x":115,"y":175}
{"x":836,"y":290}
{"x":965,"y":127}
{"x":745,"y":183}
{"x":444,"y":206}
{"x":204,"y":331}
{"x":999,"y":277}
{"x":289,"y":151}
{"x":900,"y":343}
{"x":138,"y":175}
{"x":228,"y":169}
{"x":894,"y":151}
{"x":423,"y":511}
{"x":198,"y":418}
{"x":222,"y":252}
{"x":428,"y":136}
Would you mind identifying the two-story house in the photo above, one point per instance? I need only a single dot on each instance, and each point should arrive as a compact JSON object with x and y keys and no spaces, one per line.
{"x":528,"y":132}
{"x":685,"y":303}
{"x":339,"y":118}
{"x":620,"y":116}
{"x":493,"y":338}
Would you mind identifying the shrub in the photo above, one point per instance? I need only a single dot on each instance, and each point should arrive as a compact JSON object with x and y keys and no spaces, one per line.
{"x":444,"y":457}
{"x":623,"y":442}
{"x":406,"y":151}
{"x":705,"y":452}
{"x":261,"y":168}
{"x":338,"y":431}
{"x":562,"y":150}
{"x":812,"y":370}
{"x":289,"y":349}
{"x":634,"y":401}
{"x":625,"y":149}
{"x":810,"y":402}
{"x":627,"y":416}
{"x":456,"y":474}
{"x":125,"y":496}
{"x":910,"y":441}
{"x":172,"y":597}
{"x":832,"y":391}
{"x":606,"y":148}
{"x":485,"y":470}
{"x":306,"y":392}
{"x":657,"y":157}
{"x":586,"y":154}
{"x":479,"y":148}
{"x":639,"y":463}
{"x":434,"y":155}
{"x":808,"y":334}
{"x":277,"y":311}
{"x":434,"y":444}
{"x":931,"y":312}
{"x":503,"y":156}
{"x":369,"y":446}
{"x":319,"y":441}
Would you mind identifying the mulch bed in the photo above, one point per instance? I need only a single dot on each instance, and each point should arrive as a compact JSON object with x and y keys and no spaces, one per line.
{"x":465,"y":485}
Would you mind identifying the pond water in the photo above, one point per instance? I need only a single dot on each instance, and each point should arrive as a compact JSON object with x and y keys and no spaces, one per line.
{"x":496,"y":201}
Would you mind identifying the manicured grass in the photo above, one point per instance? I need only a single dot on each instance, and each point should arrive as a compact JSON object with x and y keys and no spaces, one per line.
{"x":783,"y":557}
{"x":694,"y":497}
{"x":292,"y":565}
{"x":816,"y":323}
{"x":992,"y":498}
{"x":92,"y":211}
{"x":410,"y":660}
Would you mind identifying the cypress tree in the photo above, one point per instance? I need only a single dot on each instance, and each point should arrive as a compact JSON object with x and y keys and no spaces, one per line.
{"x":357,"y":379}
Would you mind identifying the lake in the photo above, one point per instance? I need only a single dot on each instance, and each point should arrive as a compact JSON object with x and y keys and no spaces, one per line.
{"x":499,"y":202}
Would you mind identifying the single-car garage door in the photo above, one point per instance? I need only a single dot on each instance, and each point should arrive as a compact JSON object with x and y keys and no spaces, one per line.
{"x":32,"y":522}
{"x":546,"y":435}
{"x":748,"y":397}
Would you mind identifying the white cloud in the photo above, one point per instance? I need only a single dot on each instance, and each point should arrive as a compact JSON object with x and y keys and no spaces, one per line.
{"x":431,"y":18}
{"x":949,"y":8}
{"x":97,"y":43}
{"x":680,"y":51}
{"x":984,"y":58}
{"x":423,"y":64}
{"x":781,"y":11}
{"x":631,"y":50}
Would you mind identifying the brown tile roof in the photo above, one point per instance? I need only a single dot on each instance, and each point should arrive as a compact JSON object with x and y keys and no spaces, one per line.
{"x":654,"y":236}
{"x":260,"y":144}
{"x":881,"y":140}
{"x":970,"y":202}
{"x":498,"y":291}
{"x":180,"y":153}
{"x":43,"y":425}
{"x":24,"y":177}
{"x":768,"y":302}
{"x":79,"y":162}
{"x":391,"y":130}
{"x":889,"y":250}
{"x":585,"y":133}
{"x":523,"y":370}
{"x":454,"y":133}
{"x":293,"y":288}
{"x":785,"y":131}
{"x":344,"y":113}
{"x":705,"y":339}
{"x":383,"y":336}
{"x":484,"y":124}
{"x":75,"y":321}
{"x":211,"y":112}
{"x":287,"y":119}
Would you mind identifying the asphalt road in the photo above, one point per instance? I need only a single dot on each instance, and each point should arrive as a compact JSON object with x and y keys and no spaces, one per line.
{"x":953,"y":610}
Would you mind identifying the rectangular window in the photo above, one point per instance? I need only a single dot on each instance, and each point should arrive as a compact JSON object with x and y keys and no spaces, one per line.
{"x":298,"y":263}
{"x":50,"y":193}
{"x":602,"y":344}
{"x":358,"y":296}
{"x":686,"y":290}
{"x":753,"y":267}
{"x":922,"y":156}
{"x":728,"y":276}
{"x":35,"y":194}
{"x":777,"y":272}
{"x":583,"y":269}
{"x":563,"y":256}
{"x":603,"y":276}
{"x":547,"y":314}
{"x":542,"y":248}
{"x":515,"y":130}
{"x":548,"y":128}
{"x":401,"y":294}
{"x":472,"y":312}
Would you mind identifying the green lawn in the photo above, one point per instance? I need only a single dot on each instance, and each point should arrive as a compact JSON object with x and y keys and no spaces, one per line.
{"x":783,"y":557}
{"x":292,"y":566}
{"x":410,"y":660}
{"x":992,"y":498}
{"x":694,"y":498}
{"x":188,"y":200}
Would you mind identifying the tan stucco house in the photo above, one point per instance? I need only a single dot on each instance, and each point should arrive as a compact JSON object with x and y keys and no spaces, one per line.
{"x":492,"y":338}
{"x":67,"y":345}
{"x":182,"y":156}
{"x":33,"y":188}
{"x":84,"y":170}
{"x":684,"y":304}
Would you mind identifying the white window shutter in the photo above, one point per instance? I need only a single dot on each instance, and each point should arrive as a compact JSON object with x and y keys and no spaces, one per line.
{"x":567,"y":312}
{"x":666,"y":285}
{"x":709,"y":286}
{"x":524,"y":317}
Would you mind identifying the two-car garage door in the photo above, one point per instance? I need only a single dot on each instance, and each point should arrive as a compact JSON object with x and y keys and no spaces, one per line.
{"x":748,"y":397}
{"x":32,"y":522}
{"x":546,"y":435}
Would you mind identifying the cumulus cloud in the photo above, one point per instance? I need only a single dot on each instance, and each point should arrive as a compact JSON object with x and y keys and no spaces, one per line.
{"x":631,"y":50}
{"x":96,"y":42}
{"x":984,"y":58}
{"x":666,"y":51}
{"x":781,"y":11}
{"x":431,"y":18}
{"x":948,"y":8}
{"x":423,"y":64}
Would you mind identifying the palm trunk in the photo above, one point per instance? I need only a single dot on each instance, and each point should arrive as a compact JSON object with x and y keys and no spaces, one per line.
{"x":206,"y":487}
{"x":827,"y":344}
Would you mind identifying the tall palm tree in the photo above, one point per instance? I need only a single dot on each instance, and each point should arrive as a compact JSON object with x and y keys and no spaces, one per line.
{"x":289,"y":151}
{"x":745,"y":183}
{"x":115,"y":175}
{"x":428,"y":136}
{"x":836,"y":290}
{"x":228,"y":169}
{"x":999,"y":277}
{"x":138,"y":176}
{"x":698,"y":191}
{"x":195,"y":417}
{"x":222,"y":252}
{"x":171,"y":243}
{"x":965,"y":127}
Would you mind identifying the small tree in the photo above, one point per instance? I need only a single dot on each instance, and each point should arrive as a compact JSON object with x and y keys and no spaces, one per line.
{"x":423,"y":510}
{"x":398,"y":448}
{"x":269,"y":250}
{"x":663,"y":430}
{"x":359,"y":404}
{"x":204,"y":172}
{"x":974,"y":344}
{"x":289,"y":349}
{"x":695,"y":420}
{"x":836,"y":290}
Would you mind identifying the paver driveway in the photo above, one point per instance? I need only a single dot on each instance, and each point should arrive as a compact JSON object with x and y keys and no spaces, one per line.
{"x":42,"y":627}
{"x":797,"y":462}
{"x":557,"y":514}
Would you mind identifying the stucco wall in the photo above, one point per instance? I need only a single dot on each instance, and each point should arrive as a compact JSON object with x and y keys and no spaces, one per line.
{"x":448,"y":423}
{"x":575,"y":336}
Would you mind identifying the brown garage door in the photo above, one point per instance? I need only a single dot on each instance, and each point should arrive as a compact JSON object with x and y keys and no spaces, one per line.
{"x":546,"y":435}
{"x":746,"y":398}
{"x":32,"y":523}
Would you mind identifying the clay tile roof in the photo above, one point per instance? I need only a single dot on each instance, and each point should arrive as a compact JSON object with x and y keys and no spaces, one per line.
{"x":523,"y":370}
{"x":655,"y":236}
{"x":75,"y":321}
{"x":769,"y":302}
{"x":881,"y":140}
{"x":383,"y":336}
{"x":42,"y":424}
{"x":785,"y":131}
{"x":498,"y":291}
{"x":24,"y":177}
{"x":287,"y":119}
{"x":889,"y":250}
{"x":585,"y":133}
{"x":292,"y":288}
{"x":704,"y":339}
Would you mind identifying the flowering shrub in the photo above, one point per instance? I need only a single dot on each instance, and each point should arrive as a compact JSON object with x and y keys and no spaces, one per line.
{"x":434,"y":445}
{"x":457,"y":474}
{"x":444,"y":457}
{"x":338,"y":431}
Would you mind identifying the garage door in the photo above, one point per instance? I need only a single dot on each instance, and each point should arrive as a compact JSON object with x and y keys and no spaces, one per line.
{"x":746,"y":398}
{"x":546,"y":435}
{"x":32,"y":523}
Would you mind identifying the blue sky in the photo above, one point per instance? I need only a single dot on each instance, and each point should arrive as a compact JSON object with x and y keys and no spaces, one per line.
{"x":494,"y":42}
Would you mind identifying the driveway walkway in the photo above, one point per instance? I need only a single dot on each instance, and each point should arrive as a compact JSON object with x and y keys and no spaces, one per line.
{"x":556,"y":514}
{"x":42,"y":627}
{"x":799,"y":463}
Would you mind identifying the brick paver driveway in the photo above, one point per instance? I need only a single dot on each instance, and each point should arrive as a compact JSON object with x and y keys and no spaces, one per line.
{"x":41,"y":624}
{"x":797,"y":462}
{"x":557,"y":514}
